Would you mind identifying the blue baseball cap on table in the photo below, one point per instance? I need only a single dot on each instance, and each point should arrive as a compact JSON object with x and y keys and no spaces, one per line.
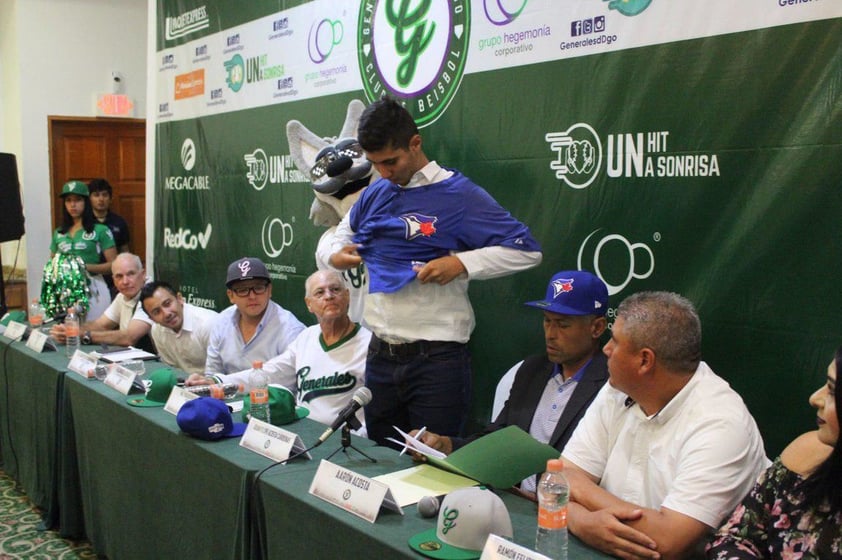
{"x":208,"y":418}
{"x":574,"y":292}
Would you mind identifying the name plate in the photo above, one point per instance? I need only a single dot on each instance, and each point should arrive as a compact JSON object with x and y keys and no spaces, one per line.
{"x":352,"y":492}
{"x":83,"y":364}
{"x":178,"y":396}
{"x":498,"y":548}
{"x":14,"y":330}
{"x":36,"y":341}
{"x":271,"y":441}
{"x":120,"y":378}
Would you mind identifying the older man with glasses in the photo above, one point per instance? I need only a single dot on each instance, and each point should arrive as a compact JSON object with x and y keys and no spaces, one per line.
{"x":254,"y":327}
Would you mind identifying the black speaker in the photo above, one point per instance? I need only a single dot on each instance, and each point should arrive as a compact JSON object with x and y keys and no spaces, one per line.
{"x":11,"y":210}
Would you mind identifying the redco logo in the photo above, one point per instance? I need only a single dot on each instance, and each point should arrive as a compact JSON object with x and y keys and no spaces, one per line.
{"x":184,"y":238}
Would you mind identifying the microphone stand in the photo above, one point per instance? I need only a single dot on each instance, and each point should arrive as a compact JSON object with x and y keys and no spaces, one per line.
{"x":346,"y":439}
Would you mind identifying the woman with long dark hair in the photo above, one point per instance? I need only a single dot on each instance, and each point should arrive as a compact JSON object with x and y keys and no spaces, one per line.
{"x":81,"y":235}
{"x":795,"y":509}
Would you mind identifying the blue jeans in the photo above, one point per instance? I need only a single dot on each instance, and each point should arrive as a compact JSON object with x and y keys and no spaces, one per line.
{"x":431,"y":389}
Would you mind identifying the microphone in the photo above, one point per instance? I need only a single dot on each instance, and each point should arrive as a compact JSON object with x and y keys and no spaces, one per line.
{"x":362,"y":397}
{"x":57,"y":318}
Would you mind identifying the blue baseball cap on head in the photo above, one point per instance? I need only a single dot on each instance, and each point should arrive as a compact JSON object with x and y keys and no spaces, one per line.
{"x":574,"y":292}
{"x":208,"y":418}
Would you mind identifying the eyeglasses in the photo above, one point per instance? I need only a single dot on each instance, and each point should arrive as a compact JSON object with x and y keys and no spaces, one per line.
{"x":258,"y":290}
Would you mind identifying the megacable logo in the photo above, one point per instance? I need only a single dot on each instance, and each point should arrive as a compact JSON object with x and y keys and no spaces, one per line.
{"x":188,"y":154}
{"x":187,"y":182}
{"x":415,"y":51}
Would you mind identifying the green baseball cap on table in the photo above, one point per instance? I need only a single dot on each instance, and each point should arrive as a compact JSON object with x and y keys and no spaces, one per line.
{"x":282,"y":408}
{"x":75,"y":187}
{"x":163,"y":380}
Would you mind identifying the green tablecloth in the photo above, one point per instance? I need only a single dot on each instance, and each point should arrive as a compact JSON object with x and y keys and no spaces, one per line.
{"x":31,"y":386}
{"x":150,"y":491}
{"x":295,"y":524}
{"x":129,"y":480}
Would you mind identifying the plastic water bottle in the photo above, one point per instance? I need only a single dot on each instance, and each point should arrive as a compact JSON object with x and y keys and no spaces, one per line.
{"x":36,"y":314}
{"x":553,"y":494}
{"x":222,"y":391}
{"x":259,"y":392}
{"x":71,"y":331}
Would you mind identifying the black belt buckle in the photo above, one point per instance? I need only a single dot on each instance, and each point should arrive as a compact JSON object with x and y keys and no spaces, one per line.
{"x":404,"y":350}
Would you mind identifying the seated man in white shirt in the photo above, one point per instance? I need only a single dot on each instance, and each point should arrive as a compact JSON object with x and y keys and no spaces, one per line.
{"x":254,"y":327}
{"x":181,"y":330}
{"x":667,"y":449}
{"x":325,"y":365}
{"x":124,"y":323}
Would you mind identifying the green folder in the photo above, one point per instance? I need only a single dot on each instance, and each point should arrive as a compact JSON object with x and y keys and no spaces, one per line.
{"x":500,"y":459}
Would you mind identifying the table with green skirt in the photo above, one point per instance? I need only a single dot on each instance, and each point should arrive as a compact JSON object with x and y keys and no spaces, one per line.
{"x":296,"y":524}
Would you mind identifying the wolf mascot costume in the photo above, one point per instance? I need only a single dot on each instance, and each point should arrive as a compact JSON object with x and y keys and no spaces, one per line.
{"x":338,"y":171}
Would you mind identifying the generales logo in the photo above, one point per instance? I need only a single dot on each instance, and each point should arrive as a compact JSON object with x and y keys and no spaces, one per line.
{"x":414,"y":50}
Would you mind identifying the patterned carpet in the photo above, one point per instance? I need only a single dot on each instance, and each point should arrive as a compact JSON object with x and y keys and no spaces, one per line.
{"x":19,"y":537}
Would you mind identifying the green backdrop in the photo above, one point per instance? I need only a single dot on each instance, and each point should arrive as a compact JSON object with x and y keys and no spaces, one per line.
{"x":716,"y":166}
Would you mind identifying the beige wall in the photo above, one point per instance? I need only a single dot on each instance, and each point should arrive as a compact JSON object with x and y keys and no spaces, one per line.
{"x":56,"y":56}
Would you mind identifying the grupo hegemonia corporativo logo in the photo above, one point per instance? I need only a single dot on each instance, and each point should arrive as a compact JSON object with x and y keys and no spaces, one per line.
{"x":616,"y":260}
{"x":414,"y":51}
{"x":276,"y":235}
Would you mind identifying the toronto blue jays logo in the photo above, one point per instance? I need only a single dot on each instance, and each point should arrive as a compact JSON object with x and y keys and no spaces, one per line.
{"x":562,"y":285}
{"x":418,"y":225}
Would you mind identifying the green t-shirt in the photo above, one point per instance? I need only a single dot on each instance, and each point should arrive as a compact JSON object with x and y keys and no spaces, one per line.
{"x":88,"y":246}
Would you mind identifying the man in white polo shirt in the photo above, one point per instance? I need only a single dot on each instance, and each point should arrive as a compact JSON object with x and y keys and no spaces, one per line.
{"x":667,"y":449}
{"x":124,"y":323}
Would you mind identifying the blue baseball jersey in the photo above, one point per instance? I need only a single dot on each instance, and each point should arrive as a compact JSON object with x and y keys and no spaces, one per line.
{"x":399,"y":228}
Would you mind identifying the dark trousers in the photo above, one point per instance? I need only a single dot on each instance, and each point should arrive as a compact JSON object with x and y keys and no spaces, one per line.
{"x":423,"y":383}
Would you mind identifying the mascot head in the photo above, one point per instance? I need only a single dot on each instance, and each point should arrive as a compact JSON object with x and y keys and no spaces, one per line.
{"x":337,"y":166}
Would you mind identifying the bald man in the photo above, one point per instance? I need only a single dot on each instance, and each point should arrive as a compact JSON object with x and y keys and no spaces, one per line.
{"x":124,"y":323}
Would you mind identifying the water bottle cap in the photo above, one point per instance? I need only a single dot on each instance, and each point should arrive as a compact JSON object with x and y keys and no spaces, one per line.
{"x":555,"y":465}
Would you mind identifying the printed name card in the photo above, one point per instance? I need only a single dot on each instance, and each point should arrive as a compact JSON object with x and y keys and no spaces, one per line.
{"x":36,"y":341}
{"x":178,"y":396}
{"x":271,"y":441}
{"x":14,"y":330}
{"x":82,"y":363}
{"x":120,"y":378}
{"x":498,"y":548}
{"x":352,"y":492}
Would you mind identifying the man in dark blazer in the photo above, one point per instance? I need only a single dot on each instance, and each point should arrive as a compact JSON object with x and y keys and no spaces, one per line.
{"x":551,"y":391}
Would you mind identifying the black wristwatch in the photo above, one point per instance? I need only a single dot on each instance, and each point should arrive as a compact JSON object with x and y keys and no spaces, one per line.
{"x":86,"y":338}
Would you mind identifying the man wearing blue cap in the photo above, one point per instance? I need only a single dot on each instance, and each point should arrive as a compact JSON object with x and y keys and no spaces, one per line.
{"x":551,"y":391}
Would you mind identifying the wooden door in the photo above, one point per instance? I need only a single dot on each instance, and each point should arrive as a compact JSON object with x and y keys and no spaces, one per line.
{"x":113,"y":149}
